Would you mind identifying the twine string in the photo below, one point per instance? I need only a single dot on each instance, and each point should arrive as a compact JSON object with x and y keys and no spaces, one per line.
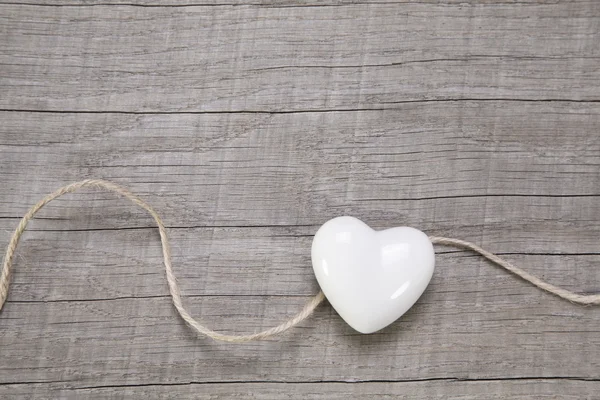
{"x":308,"y":309}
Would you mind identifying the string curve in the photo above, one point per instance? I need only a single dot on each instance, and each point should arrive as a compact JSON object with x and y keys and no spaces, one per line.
{"x":583,"y":299}
{"x":166,"y":249}
{"x":308,"y":309}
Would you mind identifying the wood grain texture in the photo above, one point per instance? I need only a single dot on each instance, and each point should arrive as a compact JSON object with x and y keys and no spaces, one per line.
{"x":249,"y":125}
{"x":224,"y":58}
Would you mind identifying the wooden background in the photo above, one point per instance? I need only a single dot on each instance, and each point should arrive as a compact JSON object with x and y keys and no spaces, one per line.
{"x":249,"y":124}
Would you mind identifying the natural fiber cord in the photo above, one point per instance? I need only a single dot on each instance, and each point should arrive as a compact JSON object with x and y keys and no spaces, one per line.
{"x":174,"y":288}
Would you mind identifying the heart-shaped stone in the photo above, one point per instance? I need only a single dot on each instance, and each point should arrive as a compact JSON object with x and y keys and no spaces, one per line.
{"x":371,"y":277}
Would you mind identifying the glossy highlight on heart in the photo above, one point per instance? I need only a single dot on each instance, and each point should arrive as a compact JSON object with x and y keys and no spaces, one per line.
{"x":371,"y":277}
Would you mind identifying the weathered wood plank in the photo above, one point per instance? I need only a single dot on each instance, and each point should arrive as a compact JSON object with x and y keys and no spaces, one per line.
{"x":281,"y":3}
{"x":445,"y":389}
{"x":139,"y":341}
{"x":299,"y":169}
{"x":349,"y":57}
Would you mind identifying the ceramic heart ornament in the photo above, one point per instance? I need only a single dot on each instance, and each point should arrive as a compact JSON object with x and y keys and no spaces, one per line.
{"x":371,"y":277}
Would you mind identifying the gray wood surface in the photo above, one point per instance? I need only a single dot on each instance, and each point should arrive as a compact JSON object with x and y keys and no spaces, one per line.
{"x":247,"y":125}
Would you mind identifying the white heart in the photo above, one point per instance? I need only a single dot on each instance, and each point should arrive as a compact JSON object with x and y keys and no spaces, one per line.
{"x":371,"y":277}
